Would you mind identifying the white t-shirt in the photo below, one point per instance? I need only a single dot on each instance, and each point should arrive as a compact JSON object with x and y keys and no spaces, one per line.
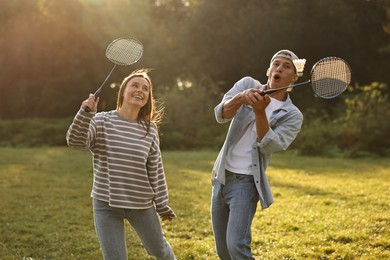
{"x":239,"y":156}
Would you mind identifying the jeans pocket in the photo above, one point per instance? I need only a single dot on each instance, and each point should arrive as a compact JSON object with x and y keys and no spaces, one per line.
{"x":244,"y":178}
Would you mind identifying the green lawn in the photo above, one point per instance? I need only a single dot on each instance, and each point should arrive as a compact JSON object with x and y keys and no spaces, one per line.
{"x":325,"y":208}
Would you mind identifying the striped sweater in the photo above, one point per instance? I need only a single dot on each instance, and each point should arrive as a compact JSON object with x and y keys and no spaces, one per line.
{"x":127,"y":164}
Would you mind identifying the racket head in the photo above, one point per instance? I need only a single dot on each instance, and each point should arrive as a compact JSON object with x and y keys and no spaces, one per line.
{"x":330,"y":77}
{"x":124,"y":51}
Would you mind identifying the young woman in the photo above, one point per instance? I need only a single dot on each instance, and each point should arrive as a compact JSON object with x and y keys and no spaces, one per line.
{"x":129,"y":180}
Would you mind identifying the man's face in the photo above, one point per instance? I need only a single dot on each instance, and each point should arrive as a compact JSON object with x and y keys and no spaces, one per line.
{"x":281,"y":73}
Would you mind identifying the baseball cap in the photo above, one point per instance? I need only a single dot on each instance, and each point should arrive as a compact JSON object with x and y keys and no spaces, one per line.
{"x":299,"y":64}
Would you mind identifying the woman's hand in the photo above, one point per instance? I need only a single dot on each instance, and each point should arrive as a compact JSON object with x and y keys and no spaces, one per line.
{"x":167,"y":217}
{"x":90,"y":103}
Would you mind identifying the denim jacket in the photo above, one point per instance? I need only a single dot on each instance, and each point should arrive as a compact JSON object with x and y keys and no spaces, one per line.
{"x":285,"y":124}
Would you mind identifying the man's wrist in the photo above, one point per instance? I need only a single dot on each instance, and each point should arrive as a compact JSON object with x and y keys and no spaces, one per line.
{"x":242,"y":98}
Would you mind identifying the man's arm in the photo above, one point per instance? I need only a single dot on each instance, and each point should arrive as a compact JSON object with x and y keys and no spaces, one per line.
{"x":249,"y":96}
{"x":262,"y":125}
{"x":231,"y":106}
{"x":235,"y":98}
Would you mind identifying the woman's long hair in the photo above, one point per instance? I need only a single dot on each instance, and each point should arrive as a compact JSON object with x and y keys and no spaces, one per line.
{"x":149,"y":113}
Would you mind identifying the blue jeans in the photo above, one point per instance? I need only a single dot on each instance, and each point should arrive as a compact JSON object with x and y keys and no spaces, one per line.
{"x":110,"y":228}
{"x":233,"y":207}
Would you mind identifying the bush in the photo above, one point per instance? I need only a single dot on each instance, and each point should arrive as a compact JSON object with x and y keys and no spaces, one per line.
{"x":360,"y":129}
{"x":366,"y":122}
{"x":33,"y":132}
{"x":317,"y":137}
{"x":189,"y":120}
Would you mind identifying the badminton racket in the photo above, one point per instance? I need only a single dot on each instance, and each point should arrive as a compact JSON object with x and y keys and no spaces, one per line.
{"x":121,"y":51}
{"x":329,"y":77}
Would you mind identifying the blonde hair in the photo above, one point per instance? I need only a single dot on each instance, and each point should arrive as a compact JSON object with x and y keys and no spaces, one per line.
{"x":149,"y":113}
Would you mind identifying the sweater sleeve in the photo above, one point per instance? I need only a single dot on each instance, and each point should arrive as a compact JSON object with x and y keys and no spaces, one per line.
{"x":82,"y":131}
{"x":158,"y":182}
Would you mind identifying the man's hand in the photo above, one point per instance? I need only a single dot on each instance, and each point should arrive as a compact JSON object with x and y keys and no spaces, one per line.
{"x":251,"y":95}
{"x":259,"y":106}
{"x":256,"y":100}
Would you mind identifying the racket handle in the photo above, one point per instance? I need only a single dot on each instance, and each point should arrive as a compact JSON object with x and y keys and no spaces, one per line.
{"x":270,"y":91}
{"x":97,"y":92}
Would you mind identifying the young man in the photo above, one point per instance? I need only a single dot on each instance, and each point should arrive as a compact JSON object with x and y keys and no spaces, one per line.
{"x":260,"y":125}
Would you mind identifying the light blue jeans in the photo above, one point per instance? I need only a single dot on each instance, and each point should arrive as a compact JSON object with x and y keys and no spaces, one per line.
{"x":233,"y":207}
{"x":110,"y":228}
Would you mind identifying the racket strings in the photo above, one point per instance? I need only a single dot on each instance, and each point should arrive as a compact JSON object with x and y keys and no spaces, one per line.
{"x":330,"y":77}
{"x":124,"y":51}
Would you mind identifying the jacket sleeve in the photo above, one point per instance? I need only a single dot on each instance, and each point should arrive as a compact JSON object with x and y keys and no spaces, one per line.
{"x":239,"y":86}
{"x":280,"y":136}
{"x":157,"y":181}
{"x":82,"y":131}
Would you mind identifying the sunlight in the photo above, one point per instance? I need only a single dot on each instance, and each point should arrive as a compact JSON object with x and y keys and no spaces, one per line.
{"x":93,"y":2}
{"x":182,"y":84}
{"x":186,"y":3}
{"x":114,"y":85}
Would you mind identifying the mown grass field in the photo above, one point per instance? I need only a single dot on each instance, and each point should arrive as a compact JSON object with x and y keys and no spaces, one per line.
{"x":325,"y":208}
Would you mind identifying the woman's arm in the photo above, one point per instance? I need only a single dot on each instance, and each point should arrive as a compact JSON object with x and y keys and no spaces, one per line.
{"x":82,"y":131}
{"x":158,"y":182}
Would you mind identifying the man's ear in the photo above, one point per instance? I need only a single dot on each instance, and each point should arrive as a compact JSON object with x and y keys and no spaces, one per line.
{"x":295,"y":78}
{"x":267,"y":73}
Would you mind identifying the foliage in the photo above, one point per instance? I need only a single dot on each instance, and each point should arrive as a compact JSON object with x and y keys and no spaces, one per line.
{"x":189,"y":115}
{"x":366,"y":122}
{"x":54,"y":50}
{"x":360,"y":128}
{"x":317,"y":137}
{"x":357,"y":128}
{"x":47,"y":212}
{"x":33,"y":132}
{"x":386,"y":26}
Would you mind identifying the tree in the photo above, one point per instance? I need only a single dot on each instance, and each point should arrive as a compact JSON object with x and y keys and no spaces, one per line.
{"x":54,"y":50}
{"x":46,"y":60}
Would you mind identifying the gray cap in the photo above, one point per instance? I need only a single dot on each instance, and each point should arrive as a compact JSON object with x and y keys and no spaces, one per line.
{"x":287,"y":54}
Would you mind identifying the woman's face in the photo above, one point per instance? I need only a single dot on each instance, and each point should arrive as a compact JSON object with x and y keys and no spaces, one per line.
{"x":136,"y":92}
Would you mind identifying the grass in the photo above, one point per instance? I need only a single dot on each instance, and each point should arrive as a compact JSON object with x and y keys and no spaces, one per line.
{"x":324,"y":208}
